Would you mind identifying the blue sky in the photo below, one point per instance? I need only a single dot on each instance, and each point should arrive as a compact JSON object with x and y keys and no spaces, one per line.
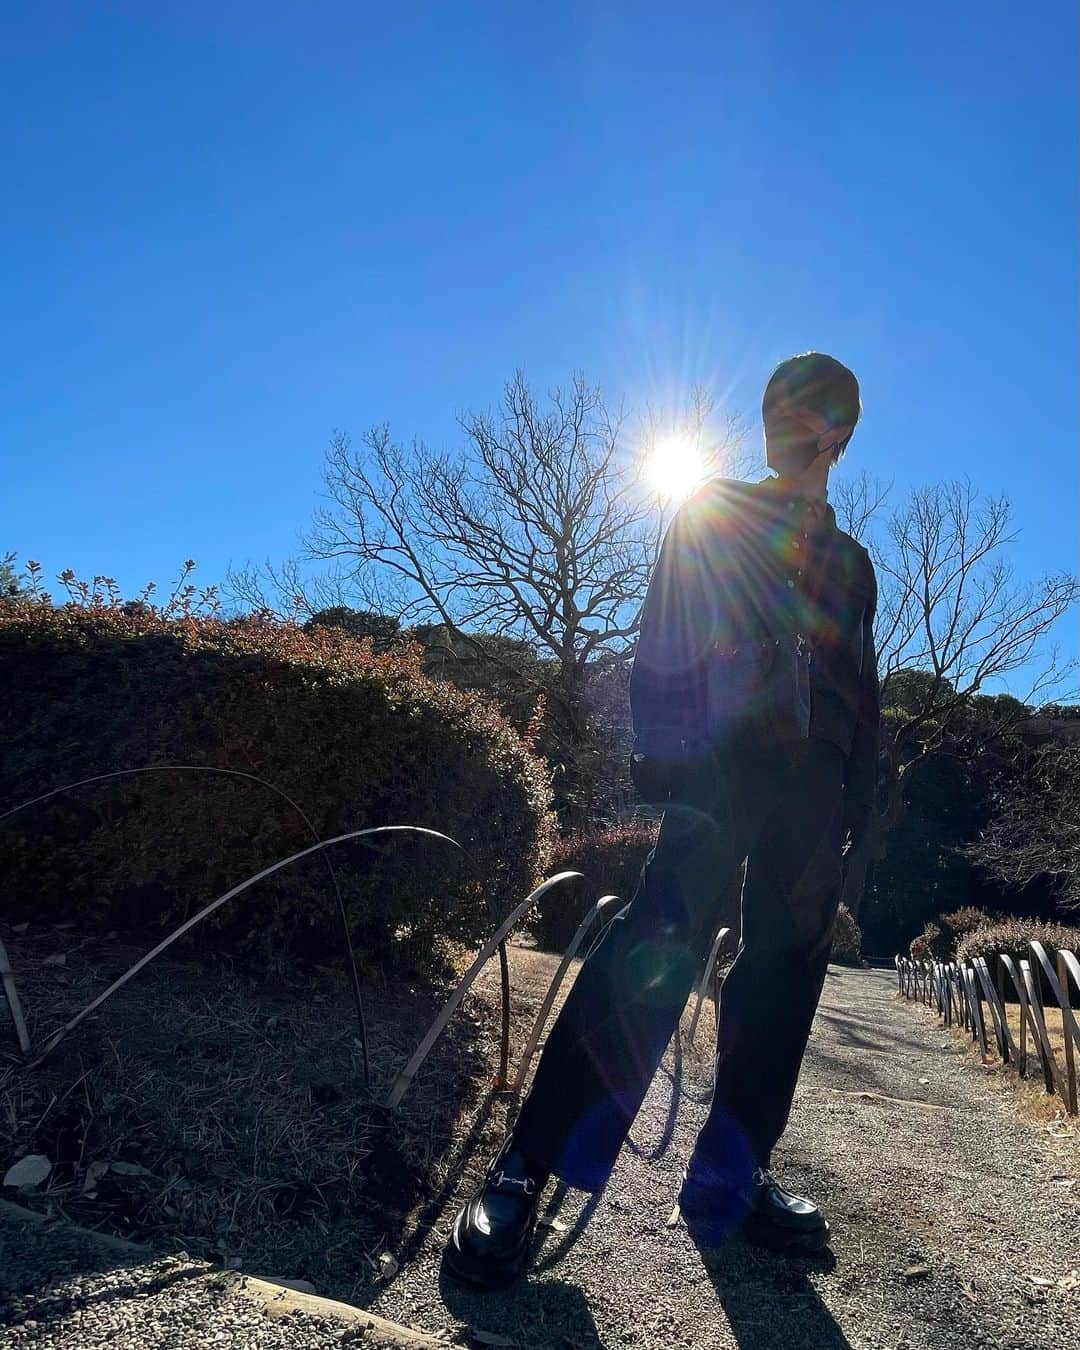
{"x":231,"y":228}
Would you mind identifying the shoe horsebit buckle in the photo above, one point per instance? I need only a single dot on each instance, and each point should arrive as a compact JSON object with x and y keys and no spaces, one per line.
{"x":527,"y":1184}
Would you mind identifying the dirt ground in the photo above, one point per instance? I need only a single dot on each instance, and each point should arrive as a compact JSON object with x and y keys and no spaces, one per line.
{"x":222,"y":1111}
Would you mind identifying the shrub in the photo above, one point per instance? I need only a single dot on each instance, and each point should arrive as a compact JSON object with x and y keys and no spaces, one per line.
{"x":610,"y":861}
{"x":1011,"y":937}
{"x":358,"y":738}
{"x":846,"y":939}
{"x":939,"y":938}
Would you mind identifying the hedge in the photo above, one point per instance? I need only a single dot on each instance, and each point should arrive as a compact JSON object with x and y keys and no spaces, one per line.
{"x":358,"y":738}
{"x":1011,"y":937}
{"x":846,"y":939}
{"x":939,"y":938}
{"x":610,"y":861}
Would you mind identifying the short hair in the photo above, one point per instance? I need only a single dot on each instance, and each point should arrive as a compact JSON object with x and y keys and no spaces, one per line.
{"x":817,"y":383}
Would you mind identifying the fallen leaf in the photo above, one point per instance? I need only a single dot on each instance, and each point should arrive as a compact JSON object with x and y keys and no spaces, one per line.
{"x":969,"y":1293}
{"x":1070,"y":1281}
{"x":388,"y":1265}
{"x":916,"y":1272}
{"x":924,"y":1082}
{"x":126,"y":1169}
{"x":1043,"y":1281}
{"x":489,"y":1337}
{"x":94,"y":1173}
{"x":545,"y":1221}
{"x":29,"y":1171}
{"x":57,"y":959}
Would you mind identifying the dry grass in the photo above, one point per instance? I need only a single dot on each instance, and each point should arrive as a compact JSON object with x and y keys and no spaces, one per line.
{"x":1027,"y":1097}
{"x":240,"y":1094}
{"x":237,"y":1097}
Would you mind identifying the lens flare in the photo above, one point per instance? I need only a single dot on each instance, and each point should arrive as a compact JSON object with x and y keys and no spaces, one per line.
{"x":674,"y":468}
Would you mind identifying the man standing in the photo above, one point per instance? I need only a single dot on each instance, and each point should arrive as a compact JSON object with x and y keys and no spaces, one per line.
{"x":754,"y":696}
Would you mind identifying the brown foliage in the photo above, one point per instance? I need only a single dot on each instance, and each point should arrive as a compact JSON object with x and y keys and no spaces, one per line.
{"x":356,"y":737}
{"x":939,"y":938}
{"x":609,"y":860}
{"x":1011,"y":937}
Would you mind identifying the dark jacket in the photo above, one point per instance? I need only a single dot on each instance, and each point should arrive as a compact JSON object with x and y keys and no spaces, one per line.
{"x":742,"y":561}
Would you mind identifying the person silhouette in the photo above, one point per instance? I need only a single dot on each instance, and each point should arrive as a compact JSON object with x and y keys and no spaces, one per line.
{"x":754,"y":697}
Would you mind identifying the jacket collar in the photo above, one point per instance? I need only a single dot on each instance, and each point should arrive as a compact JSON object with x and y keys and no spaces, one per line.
{"x":776,"y":490}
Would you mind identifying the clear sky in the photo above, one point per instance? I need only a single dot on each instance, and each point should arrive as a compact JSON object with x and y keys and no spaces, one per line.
{"x":229,"y":228}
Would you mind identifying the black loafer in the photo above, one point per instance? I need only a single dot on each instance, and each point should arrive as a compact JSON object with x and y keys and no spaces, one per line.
{"x":757,"y":1204}
{"x":776,"y":1218}
{"x":490,"y":1241}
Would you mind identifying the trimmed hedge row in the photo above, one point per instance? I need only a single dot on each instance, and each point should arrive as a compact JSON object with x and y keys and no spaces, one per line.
{"x":939,"y":938}
{"x":1011,"y":937}
{"x":358,"y":738}
{"x":610,"y":861}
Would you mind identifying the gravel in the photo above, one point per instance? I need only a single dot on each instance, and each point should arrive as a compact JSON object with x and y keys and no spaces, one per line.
{"x":954,"y":1225}
{"x":947,"y":1215}
{"x":59,"y":1287}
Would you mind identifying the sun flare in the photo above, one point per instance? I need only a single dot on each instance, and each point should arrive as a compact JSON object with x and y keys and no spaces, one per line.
{"x":674,"y":468}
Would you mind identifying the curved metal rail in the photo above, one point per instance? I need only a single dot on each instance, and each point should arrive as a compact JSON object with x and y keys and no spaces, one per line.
{"x":706,"y":977}
{"x":401,"y":1083}
{"x":605,"y":909}
{"x":7,"y":981}
{"x":343,"y":918}
{"x":974,"y":983}
{"x":209,"y":909}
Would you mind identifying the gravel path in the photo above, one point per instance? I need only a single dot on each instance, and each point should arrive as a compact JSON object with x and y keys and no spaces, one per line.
{"x":954,"y":1225}
{"x":942,"y":1207}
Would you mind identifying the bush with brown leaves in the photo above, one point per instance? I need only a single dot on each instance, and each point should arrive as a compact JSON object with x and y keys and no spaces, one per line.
{"x":1011,"y":937}
{"x":357,"y":737}
{"x":938,"y":939}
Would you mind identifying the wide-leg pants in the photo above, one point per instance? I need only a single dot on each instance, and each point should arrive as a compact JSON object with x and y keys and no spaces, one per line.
{"x":780,"y":809}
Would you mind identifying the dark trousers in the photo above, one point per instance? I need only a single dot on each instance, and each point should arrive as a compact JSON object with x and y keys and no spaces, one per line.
{"x":781,"y":810}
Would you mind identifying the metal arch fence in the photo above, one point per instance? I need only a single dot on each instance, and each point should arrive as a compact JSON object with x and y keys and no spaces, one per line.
{"x":605,"y":910}
{"x":959,"y":991}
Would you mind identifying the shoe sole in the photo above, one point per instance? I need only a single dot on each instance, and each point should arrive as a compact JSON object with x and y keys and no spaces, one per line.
{"x":483,"y":1274}
{"x":788,"y":1243}
{"x":785,"y":1241}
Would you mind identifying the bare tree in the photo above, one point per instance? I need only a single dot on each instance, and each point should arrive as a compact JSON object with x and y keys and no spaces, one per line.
{"x":539,"y":529}
{"x":952,"y":613}
{"x":1036,"y":833}
{"x":285,"y":591}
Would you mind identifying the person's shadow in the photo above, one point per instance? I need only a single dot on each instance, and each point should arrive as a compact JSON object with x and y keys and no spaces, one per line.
{"x":534,"y":1312}
{"x":768,"y":1298}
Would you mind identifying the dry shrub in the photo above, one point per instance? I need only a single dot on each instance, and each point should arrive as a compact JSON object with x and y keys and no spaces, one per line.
{"x":358,"y":738}
{"x":1011,"y":937}
{"x":610,"y":861}
{"x":846,"y":939}
{"x":939,"y":938}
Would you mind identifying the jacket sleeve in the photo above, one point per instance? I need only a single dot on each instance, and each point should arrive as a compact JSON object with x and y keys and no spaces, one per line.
{"x":678,"y":629}
{"x":860,"y":774}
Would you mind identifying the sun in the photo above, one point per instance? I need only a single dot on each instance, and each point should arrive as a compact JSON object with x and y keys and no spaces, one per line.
{"x":674,"y":467}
